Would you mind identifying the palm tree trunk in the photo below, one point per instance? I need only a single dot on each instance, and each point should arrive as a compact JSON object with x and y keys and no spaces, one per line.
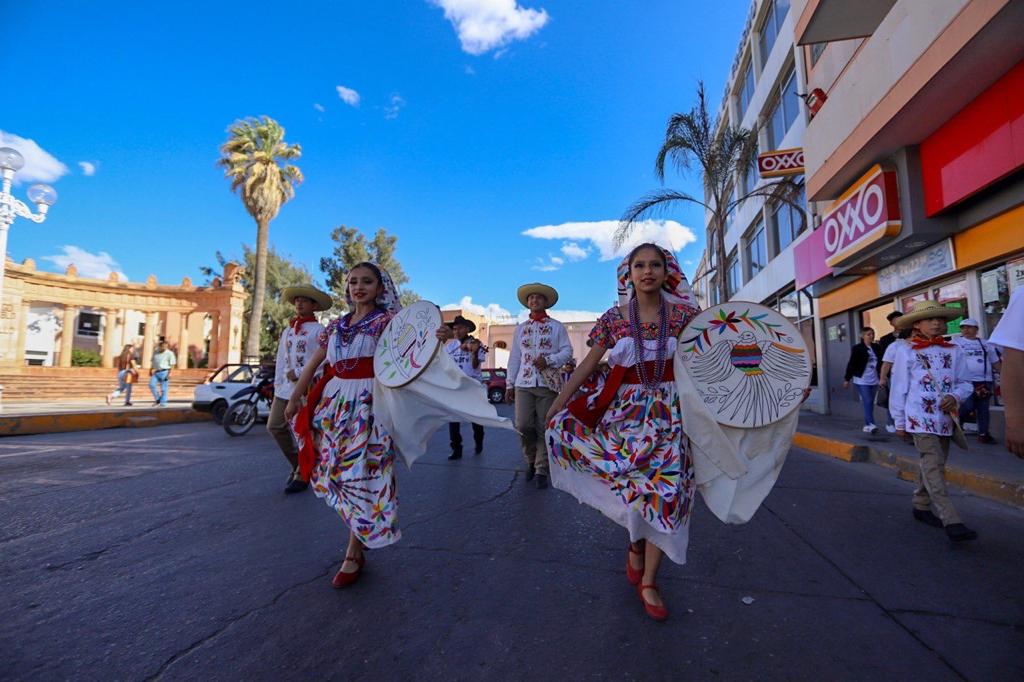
{"x":259,"y":290}
{"x":723,"y":271}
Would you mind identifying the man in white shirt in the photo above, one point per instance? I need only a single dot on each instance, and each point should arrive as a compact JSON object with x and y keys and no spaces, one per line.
{"x":1009,"y":335}
{"x":298,"y":342}
{"x":981,"y":358}
{"x":469,"y":355}
{"x":540,"y":347}
{"x":160,"y":372}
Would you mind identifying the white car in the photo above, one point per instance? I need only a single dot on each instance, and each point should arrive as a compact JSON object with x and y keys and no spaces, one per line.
{"x":217,"y":394}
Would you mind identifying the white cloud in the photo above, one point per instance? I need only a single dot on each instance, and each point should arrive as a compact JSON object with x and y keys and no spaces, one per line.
{"x":492,"y":311}
{"x":483,"y":25}
{"x":348,"y":95}
{"x":394,"y":106}
{"x":601,"y":234}
{"x":470,"y":71}
{"x":88,"y":168}
{"x":549,"y":264}
{"x":319,"y":107}
{"x":89,"y":265}
{"x":40,"y":165}
{"x":574,"y":251}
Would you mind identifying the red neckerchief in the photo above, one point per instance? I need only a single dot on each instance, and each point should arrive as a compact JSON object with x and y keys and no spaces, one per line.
{"x":296,"y":322}
{"x":920,"y":342}
{"x":539,"y":317}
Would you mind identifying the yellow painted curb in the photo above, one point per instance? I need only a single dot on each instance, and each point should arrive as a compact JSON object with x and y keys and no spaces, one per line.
{"x":25,"y":425}
{"x":838,"y":449}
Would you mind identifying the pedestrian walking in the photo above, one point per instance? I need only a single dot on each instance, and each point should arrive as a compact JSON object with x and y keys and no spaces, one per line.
{"x":298,"y":342}
{"x":894,"y":334}
{"x":862,"y":369}
{"x":469,"y":355}
{"x":884,"y":384}
{"x":981,"y":359}
{"x":1009,"y":335}
{"x":629,"y":458}
{"x":127,"y":375}
{"x":929,"y":379}
{"x":160,"y":373}
{"x":540,"y":347}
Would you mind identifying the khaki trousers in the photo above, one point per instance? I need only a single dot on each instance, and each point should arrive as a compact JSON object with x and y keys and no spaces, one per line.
{"x":532,"y":405}
{"x":931,"y":490}
{"x":278,"y":427}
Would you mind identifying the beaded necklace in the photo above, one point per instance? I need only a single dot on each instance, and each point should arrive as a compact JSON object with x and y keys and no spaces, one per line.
{"x":648,"y":382}
{"x":345,"y":334}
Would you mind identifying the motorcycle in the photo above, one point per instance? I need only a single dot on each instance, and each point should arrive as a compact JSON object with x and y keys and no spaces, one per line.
{"x":245,"y":406}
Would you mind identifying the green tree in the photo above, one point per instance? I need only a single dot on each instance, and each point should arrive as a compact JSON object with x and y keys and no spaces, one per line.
{"x":351,"y":247}
{"x":723,"y":154}
{"x":280,"y":274}
{"x":256,"y":159}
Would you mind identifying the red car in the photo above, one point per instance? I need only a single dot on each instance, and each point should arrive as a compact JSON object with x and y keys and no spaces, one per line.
{"x":494,"y":381}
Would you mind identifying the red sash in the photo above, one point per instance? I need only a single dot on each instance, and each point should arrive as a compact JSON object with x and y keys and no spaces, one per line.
{"x":303,"y":427}
{"x":620,"y":374}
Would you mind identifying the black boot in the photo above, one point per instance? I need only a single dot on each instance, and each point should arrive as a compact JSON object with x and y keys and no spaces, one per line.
{"x":456,"y":454}
{"x":958,"y":532}
{"x":530,"y":471}
{"x":479,"y":448}
{"x":542,"y":481}
{"x":925,"y":516}
{"x":295,"y":484}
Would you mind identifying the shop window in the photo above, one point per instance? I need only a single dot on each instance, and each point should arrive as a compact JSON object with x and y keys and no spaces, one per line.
{"x":784,"y":111}
{"x":816,"y":50}
{"x":734,"y":276}
{"x":997,"y":285}
{"x":756,"y":247}
{"x":88,"y":324}
{"x":774,"y":17}
{"x":953,"y":294}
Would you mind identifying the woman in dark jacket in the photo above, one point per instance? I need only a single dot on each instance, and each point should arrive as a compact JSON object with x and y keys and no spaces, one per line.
{"x":862,"y":369}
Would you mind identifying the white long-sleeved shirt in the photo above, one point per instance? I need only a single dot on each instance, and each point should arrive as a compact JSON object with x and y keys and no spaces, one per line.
{"x":533,"y":339}
{"x":920,"y":378}
{"x":292,"y":352}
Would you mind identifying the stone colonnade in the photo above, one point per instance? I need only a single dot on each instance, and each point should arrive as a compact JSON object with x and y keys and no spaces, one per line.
{"x":178,"y":313}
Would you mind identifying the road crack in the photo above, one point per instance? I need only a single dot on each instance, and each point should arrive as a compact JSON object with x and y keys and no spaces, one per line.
{"x":96,"y":554}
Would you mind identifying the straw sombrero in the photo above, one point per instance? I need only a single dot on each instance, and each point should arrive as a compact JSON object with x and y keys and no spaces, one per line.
{"x":537,"y":288}
{"x":924,"y":310}
{"x":322,"y":300}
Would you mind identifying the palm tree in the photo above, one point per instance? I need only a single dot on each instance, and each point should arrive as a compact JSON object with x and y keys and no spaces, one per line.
{"x":724,"y":154}
{"x":256,"y":160}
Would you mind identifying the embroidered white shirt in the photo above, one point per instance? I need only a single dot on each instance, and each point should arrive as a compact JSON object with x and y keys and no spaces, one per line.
{"x":920,"y":378}
{"x":292,"y":352}
{"x":464,"y":359}
{"x":533,"y":339}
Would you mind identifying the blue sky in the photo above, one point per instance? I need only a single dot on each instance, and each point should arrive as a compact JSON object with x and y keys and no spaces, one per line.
{"x":477,"y":121}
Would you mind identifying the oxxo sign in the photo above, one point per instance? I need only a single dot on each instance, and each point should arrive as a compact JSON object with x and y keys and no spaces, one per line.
{"x":780,"y":162}
{"x":866,"y":213}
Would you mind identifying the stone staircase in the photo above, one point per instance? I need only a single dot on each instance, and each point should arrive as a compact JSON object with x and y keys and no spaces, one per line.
{"x":64,"y":384}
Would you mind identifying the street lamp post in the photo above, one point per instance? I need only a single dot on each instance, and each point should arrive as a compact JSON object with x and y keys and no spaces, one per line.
{"x":43,"y":196}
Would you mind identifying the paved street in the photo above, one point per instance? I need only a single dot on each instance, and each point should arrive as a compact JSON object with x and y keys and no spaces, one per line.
{"x":171,"y":553}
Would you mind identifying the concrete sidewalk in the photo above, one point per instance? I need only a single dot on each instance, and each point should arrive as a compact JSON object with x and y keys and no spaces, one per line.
{"x":23,"y":419}
{"x":985,"y":470}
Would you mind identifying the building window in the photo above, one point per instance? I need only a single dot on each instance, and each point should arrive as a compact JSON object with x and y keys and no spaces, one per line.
{"x":734,"y":276}
{"x":772,"y":24}
{"x":746,"y":91}
{"x":797,"y":307}
{"x":713,"y":291}
{"x":787,"y":222}
{"x":816,"y":50}
{"x":88,"y":324}
{"x":750,"y":178}
{"x":998,"y":283}
{"x":784,"y":110}
{"x":756,"y":245}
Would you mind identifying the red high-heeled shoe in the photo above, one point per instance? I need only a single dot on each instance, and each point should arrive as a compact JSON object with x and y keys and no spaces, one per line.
{"x":633,"y":575}
{"x":656,"y":612}
{"x":342,"y":579}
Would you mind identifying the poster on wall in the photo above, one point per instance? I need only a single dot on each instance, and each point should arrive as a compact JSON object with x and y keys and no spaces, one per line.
{"x":990,"y":286}
{"x":1015,"y":274}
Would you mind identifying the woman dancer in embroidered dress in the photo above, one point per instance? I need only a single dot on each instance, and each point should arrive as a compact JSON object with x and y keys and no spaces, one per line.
{"x":344,"y":453}
{"x":621,"y":449}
